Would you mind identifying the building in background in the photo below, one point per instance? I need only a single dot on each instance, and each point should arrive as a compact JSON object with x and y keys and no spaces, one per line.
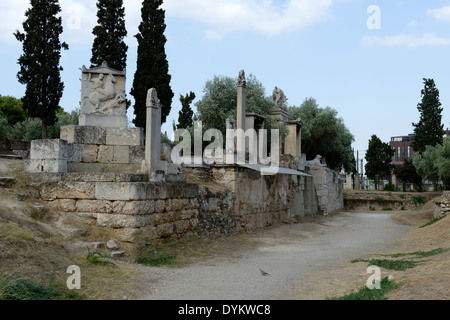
{"x":403,"y":149}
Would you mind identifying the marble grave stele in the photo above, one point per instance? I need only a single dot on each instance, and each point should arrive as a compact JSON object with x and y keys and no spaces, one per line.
{"x":103,"y":97}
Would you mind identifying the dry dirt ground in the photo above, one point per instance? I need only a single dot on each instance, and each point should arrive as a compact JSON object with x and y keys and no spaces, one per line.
{"x":306,"y":261}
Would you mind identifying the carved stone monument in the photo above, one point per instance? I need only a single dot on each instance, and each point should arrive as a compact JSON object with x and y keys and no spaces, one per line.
{"x":278,"y":112}
{"x":153,"y":132}
{"x":241,"y":113}
{"x":103,"y":98}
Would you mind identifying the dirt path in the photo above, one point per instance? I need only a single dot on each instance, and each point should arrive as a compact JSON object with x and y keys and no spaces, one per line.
{"x":291,"y":255}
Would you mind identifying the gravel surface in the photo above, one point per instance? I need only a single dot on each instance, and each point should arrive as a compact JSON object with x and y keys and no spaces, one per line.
{"x":289,"y":254}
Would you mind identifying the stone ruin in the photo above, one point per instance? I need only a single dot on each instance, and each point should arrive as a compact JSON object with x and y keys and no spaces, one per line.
{"x":106,"y":173}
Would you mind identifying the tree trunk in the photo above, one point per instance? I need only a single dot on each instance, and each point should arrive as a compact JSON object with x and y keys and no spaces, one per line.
{"x":434,"y":185}
{"x":44,"y":130}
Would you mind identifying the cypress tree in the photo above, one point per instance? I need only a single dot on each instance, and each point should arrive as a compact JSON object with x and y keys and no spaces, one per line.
{"x":185,"y":119}
{"x":430,"y":130}
{"x":109,"y":34}
{"x":39,"y":63}
{"x":152,"y":66}
{"x":379,"y":157}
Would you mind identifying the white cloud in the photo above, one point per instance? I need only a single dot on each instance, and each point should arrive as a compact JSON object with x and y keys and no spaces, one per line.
{"x":441,"y":14}
{"x":407,"y":41}
{"x":219,"y":17}
{"x":267,"y":17}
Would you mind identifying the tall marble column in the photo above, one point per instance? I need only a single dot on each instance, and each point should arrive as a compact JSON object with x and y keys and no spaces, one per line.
{"x":241,"y":114}
{"x":153,"y":132}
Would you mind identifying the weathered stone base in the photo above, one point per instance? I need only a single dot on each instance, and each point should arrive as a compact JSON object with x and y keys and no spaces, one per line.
{"x":103,"y":121}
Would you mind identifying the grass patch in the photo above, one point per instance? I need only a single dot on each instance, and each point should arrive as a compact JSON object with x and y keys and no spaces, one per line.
{"x":420,"y":254}
{"x":15,"y":233}
{"x":98,"y":258}
{"x":379,"y":200}
{"x":397,"y":265}
{"x":157,"y":255}
{"x":16,"y":288}
{"x":387,"y":209}
{"x":432,"y":222}
{"x":418,"y":200}
{"x":366,"y":294}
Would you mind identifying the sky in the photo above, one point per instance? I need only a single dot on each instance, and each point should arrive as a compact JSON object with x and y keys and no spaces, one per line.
{"x":365,"y":59}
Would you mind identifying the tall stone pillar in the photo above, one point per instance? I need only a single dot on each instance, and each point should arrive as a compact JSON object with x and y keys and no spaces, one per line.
{"x":153,"y":132}
{"x":293,"y":142}
{"x":241,"y":114}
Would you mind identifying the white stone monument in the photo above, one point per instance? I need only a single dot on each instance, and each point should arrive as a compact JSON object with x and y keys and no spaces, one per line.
{"x":103,"y":97}
{"x":153,"y":132}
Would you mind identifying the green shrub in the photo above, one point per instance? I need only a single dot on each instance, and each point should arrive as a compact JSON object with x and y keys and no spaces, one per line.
{"x":5,"y":128}
{"x":389,"y":187}
{"x":418,"y":200}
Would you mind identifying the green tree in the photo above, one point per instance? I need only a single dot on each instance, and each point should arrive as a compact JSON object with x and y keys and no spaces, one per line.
{"x":219,"y":101}
{"x":39,"y":63}
{"x":185,"y":119}
{"x":443,"y":163}
{"x":324,"y":133}
{"x":12,"y":109}
{"x":109,"y":44}
{"x":152,"y":66}
{"x":408,"y":173}
{"x":426,"y":164}
{"x":430,"y":130}
{"x":379,"y":156}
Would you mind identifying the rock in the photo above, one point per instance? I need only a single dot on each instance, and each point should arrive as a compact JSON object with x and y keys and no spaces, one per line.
{"x":6,"y":182}
{"x":391,"y":278}
{"x":21,"y":197}
{"x":97,"y":245}
{"x":117,"y":254}
{"x":112,"y":245}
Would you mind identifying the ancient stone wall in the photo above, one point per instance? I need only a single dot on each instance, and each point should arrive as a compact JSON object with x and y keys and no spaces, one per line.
{"x":442,"y":207}
{"x":329,"y":188}
{"x":133,"y":209}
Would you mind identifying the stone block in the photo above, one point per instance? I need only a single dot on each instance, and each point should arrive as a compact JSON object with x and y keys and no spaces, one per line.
{"x":139,"y":207}
{"x":103,"y":121}
{"x":49,"y":149}
{"x":89,"y":153}
{"x":160,"y":206}
{"x":74,"y":153}
{"x":181,"y":226}
{"x":117,"y":221}
{"x":121,"y":154}
{"x":164,"y":230}
{"x":125,"y":136}
{"x":45,"y":165}
{"x":96,"y":206}
{"x":120,"y":191}
{"x":137,"y":154}
{"x":156,"y":191}
{"x":83,"y":135}
{"x":105,"y":154}
{"x":66,"y":205}
{"x":67,"y":190}
{"x":127,"y":234}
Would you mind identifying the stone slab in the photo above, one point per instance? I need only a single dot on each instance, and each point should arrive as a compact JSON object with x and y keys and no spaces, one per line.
{"x":124,"y":136}
{"x":74,"y":152}
{"x":45,"y":165}
{"x":49,"y":149}
{"x":94,"y":120}
{"x":121,"y":154}
{"x":83,"y":134}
